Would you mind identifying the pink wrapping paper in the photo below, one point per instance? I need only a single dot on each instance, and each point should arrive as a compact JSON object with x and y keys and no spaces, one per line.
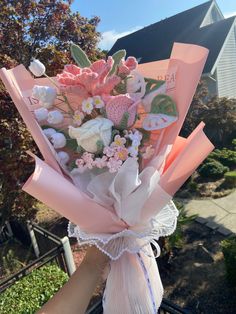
{"x":189,"y":61}
{"x":51,"y":186}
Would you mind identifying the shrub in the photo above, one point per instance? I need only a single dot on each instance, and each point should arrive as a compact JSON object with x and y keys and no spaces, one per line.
{"x":176,"y":239}
{"x":230,"y":179}
{"x":229,"y":251}
{"x":212,"y":169}
{"x":226,"y":156}
{"x":234,"y":143}
{"x":219,"y":114}
{"x":28,"y":295}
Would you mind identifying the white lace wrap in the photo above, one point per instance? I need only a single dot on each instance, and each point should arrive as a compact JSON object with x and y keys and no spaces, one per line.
{"x":137,"y":199}
{"x":131,"y":240}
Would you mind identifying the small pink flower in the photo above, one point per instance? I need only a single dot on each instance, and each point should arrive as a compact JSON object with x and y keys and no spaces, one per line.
{"x":121,"y":153}
{"x":114,"y":165}
{"x":100,"y":162}
{"x":109,"y":151}
{"x":98,"y":102}
{"x":123,"y":69}
{"x":118,"y":141}
{"x":149,"y":152}
{"x":131,"y":63}
{"x":80,"y":165}
{"x":88,"y":160}
{"x":87,"y":105}
{"x":92,"y":81}
{"x":78,"y":117}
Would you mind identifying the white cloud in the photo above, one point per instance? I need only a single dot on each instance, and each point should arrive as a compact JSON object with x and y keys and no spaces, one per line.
{"x":229,"y":14}
{"x":108,"y":38}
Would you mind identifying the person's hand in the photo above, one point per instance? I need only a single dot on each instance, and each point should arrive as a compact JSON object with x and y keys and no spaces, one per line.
{"x":94,"y":258}
{"x":74,"y":296}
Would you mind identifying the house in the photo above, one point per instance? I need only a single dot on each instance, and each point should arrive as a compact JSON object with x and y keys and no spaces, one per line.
{"x":203,"y":25}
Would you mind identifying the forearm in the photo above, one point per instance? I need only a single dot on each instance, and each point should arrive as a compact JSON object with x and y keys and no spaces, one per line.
{"x":74,"y":296}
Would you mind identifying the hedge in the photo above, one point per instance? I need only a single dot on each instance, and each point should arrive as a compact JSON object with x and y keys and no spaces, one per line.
{"x":229,"y":251}
{"x":212,"y":169}
{"x":230,"y":179}
{"x":225,"y":156}
{"x":28,"y":294}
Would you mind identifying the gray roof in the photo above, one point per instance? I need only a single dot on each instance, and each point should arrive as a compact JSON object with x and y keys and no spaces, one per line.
{"x":155,"y":42}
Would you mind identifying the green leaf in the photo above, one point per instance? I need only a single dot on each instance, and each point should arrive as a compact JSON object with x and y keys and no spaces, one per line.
{"x":114,"y":133}
{"x":72,"y":165}
{"x":163,"y":104}
{"x":100,"y":146}
{"x":79,"y":56}
{"x":152,"y":85}
{"x":117,"y":57}
{"x":79,"y":149}
{"x":71,"y":144}
{"x":103,"y":112}
{"x":124,"y":121}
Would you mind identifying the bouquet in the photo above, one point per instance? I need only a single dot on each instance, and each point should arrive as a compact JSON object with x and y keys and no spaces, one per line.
{"x":108,"y":133}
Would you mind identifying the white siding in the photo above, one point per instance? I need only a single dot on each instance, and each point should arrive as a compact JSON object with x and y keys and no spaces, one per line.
{"x":226,"y":68}
{"x":212,"y":16}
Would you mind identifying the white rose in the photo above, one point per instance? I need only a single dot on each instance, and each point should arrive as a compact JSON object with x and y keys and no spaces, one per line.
{"x":136,"y":86}
{"x":98,"y":129}
{"x":45,"y":94}
{"x":37,"y":67}
{"x":49,"y":132}
{"x":41,"y":114}
{"x":63,"y":157}
{"x":58,"y":140}
{"x":55,"y":117}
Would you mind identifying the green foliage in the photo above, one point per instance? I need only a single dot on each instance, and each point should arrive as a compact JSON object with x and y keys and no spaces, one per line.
{"x":44,"y":30}
{"x":234,"y":143}
{"x":79,"y":56}
{"x":212,"y":169}
{"x":152,"y":85}
{"x":10,"y":263}
{"x":230,"y":179}
{"x":26,"y":32}
{"x":176,"y":240}
{"x":16,"y":165}
{"x":192,"y":186}
{"x":219,"y":115}
{"x":100,"y":146}
{"x":124,"y":121}
{"x":225,"y":156}
{"x":117,"y":57}
{"x":229,"y":251}
{"x":29,"y":294}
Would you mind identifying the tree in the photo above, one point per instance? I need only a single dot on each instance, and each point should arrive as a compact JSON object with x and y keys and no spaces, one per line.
{"x":41,"y":29}
{"x":219,"y":114}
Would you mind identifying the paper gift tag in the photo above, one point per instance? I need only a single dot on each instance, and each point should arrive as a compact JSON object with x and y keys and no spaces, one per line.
{"x":158,"y":121}
{"x":162,"y":114}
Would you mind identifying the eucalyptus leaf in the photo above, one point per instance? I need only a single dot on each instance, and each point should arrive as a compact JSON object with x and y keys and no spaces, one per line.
{"x":79,"y":56}
{"x":100,"y":146}
{"x":114,"y":133}
{"x":124,"y":121}
{"x":163,"y":104}
{"x":117,"y":57}
{"x":72,"y":144}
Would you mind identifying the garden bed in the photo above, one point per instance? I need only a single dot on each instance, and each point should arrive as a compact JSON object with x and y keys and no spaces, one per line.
{"x":195,"y":277}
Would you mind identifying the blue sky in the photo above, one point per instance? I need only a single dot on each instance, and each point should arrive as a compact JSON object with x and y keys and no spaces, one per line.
{"x":121,"y":17}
